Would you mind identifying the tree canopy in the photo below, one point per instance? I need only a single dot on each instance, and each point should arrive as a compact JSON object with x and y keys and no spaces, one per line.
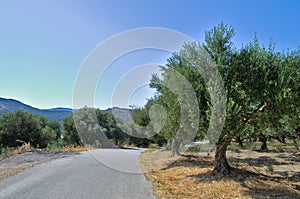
{"x":261,"y":90}
{"x":20,"y":127}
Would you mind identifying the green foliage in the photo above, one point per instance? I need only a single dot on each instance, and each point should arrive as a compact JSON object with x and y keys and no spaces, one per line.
{"x":58,"y":144}
{"x":255,"y":79}
{"x":173,"y":100}
{"x":48,"y":135}
{"x":19,"y":126}
{"x":5,"y":152}
{"x":219,"y":45}
{"x":261,"y":85}
{"x":50,"y":131}
{"x":55,"y":126}
{"x":142,"y":131}
{"x":270,"y":167}
{"x":70,"y":132}
{"x":262,"y":101}
{"x":110,"y":124}
{"x":280,"y":82}
{"x":101,"y":129}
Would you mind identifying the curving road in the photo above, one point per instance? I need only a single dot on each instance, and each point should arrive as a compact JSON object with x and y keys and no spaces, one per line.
{"x":103,"y":173}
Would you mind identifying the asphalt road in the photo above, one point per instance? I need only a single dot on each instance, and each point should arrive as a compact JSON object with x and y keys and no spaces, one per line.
{"x":103,"y":173}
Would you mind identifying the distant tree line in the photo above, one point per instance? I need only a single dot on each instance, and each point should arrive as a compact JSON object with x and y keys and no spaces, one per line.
{"x":19,"y":127}
{"x":103,"y":129}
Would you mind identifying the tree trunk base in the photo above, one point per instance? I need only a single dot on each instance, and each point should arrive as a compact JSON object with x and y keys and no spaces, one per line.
{"x":221,"y":165}
{"x":175,"y":147}
{"x":264,"y":146}
{"x":263,"y":140}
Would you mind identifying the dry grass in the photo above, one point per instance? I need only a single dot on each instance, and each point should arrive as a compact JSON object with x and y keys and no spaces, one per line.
{"x":22,"y":149}
{"x":5,"y":153}
{"x":72,"y":148}
{"x":4,"y":172}
{"x":26,"y":147}
{"x":183,"y":177}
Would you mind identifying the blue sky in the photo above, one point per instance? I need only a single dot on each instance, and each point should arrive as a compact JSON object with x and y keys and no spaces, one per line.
{"x":44,"y":42}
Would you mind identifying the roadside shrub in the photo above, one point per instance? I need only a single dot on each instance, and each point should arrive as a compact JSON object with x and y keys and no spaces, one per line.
{"x":70,"y":132}
{"x":19,"y":127}
{"x":58,"y":144}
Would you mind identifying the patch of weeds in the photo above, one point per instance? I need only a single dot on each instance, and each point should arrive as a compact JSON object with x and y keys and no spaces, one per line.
{"x":279,"y":150}
{"x":237,"y":150}
{"x":199,"y":148}
{"x":5,"y":153}
{"x":72,"y":148}
{"x":149,"y":150}
{"x":57,"y":145}
{"x":270,"y":168}
{"x":193,"y":149}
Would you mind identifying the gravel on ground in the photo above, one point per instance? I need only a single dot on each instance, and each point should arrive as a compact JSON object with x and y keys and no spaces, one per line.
{"x":19,"y":162}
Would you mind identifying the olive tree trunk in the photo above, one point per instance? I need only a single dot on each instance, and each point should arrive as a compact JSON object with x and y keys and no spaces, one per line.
{"x":263,"y":140}
{"x":221,"y":165}
{"x":239,"y":140}
{"x":175,"y":147}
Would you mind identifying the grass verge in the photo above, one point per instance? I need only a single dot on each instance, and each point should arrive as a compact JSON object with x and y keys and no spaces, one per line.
{"x":75,"y":148}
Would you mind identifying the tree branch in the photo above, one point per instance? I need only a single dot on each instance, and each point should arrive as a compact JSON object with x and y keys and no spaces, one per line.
{"x":258,"y":111}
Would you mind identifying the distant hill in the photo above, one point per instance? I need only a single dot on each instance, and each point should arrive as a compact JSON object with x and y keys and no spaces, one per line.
{"x":9,"y":105}
{"x":123,"y":113}
{"x":60,"y":109}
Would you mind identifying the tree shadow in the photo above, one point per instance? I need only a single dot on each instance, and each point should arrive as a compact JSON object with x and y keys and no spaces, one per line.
{"x":190,"y":161}
{"x":289,"y":157}
{"x":259,"y":161}
{"x":282,"y":184}
{"x":288,"y":176}
{"x":257,"y":186}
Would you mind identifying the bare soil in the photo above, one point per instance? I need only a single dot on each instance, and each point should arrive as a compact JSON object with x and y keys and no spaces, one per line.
{"x":19,"y":162}
{"x":190,"y":176}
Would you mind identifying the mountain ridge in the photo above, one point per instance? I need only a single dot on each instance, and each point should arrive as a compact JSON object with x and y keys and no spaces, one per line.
{"x":10,"y":105}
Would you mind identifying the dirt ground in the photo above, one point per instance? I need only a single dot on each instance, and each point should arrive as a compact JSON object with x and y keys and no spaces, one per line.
{"x":254,"y":175}
{"x":19,"y":162}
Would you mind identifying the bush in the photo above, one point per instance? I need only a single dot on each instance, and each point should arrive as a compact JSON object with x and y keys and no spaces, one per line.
{"x":20,"y":127}
{"x":58,"y":144}
{"x":70,"y":132}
